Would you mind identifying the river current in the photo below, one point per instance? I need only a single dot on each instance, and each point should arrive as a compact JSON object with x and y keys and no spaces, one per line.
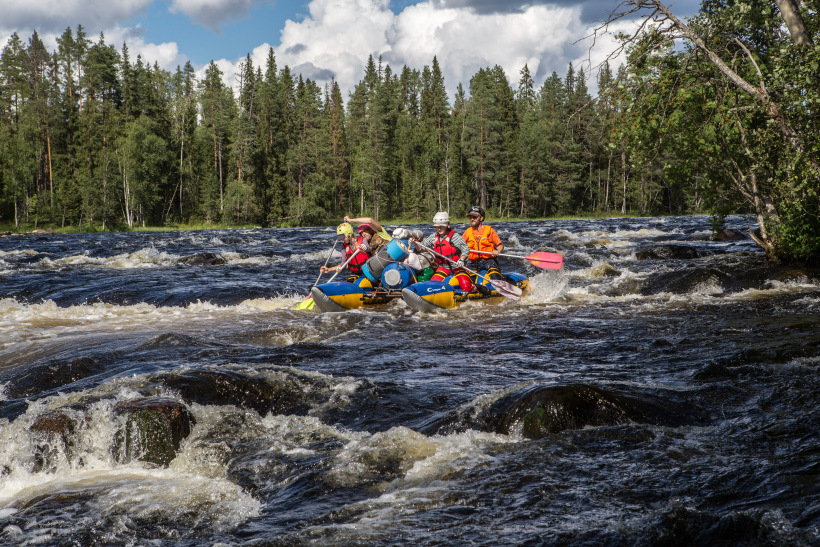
{"x":660,"y":389}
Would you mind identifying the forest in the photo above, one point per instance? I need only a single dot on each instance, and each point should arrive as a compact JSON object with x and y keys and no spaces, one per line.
{"x":95,"y":139}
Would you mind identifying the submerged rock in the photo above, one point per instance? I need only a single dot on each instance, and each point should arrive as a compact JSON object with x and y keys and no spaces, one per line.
{"x":284,"y":395}
{"x":693,"y":280}
{"x":729,"y":234}
{"x":666,"y":252}
{"x":155,"y":428}
{"x":542,"y":410}
{"x":203,"y":259}
{"x":52,"y":375}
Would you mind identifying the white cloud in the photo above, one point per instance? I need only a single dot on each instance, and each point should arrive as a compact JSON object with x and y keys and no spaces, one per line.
{"x":212,"y":13}
{"x":48,"y":16}
{"x":49,"y":22}
{"x":337,"y":37}
{"x":465,"y":41}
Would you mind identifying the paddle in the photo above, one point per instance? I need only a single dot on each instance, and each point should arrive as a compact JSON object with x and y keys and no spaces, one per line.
{"x":307,"y":304}
{"x":505,"y":289}
{"x":326,"y":261}
{"x":342,"y":267}
{"x":551,"y":261}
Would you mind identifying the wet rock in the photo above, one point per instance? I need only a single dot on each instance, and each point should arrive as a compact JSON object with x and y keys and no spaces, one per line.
{"x":666,"y":252}
{"x":633,"y":285}
{"x":154,"y":430}
{"x":688,"y":526}
{"x":694,"y":280}
{"x":729,"y":234}
{"x":50,"y":376}
{"x":542,"y":410}
{"x":793,"y":275}
{"x":603,"y":270}
{"x":41,"y":232}
{"x":55,"y":423}
{"x":203,"y":259}
{"x":53,"y":433}
{"x":284,"y":395}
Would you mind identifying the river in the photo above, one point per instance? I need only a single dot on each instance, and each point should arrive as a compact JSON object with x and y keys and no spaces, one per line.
{"x":660,"y":389}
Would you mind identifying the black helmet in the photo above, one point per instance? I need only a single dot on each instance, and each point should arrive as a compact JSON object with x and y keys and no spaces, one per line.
{"x":476,"y":209}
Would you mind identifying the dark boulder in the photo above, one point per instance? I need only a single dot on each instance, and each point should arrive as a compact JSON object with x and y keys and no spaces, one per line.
{"x":282,"y":395}
{"x":542,"y":410}
{"x":729,"y":234}
{"x":687,"y":281}
{"x":40,"y":378}
{"x":155,"y":428}
{"x":203,"y":259}
{"x":53,"y":433}
{"x":667,"y":252}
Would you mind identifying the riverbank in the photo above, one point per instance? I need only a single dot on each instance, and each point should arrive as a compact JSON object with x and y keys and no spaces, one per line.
{"x":10,"y":229}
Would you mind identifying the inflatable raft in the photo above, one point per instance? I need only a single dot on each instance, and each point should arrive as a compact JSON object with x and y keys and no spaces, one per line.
{"x":446,"y":294}
{"x":387,"y":277}
{"x":384,"y":277}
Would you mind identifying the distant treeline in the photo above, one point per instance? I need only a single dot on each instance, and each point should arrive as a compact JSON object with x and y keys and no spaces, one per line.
{"x":91,"y":138}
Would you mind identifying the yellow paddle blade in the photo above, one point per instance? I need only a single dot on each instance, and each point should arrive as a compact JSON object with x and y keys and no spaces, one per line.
{"x":306,"y":304}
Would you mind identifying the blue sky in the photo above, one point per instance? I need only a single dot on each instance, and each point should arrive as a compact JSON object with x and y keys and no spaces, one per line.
{"x":323,"y":39}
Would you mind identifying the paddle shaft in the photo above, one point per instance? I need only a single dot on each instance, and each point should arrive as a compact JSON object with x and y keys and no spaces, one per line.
{"x":326,"y":261}
{"x":503,"y":288}
{"x":532,"y":258}
{"x":343,"y":266}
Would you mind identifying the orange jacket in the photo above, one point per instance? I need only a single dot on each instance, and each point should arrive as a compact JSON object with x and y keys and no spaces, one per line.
{"x":487,"y":241}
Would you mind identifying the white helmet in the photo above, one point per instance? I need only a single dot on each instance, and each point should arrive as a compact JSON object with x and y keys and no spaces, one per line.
{"x":401,"y":233}
{"x":442,"y":218}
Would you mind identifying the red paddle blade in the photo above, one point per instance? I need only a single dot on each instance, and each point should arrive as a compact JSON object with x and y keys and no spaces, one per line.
{"x":551,"y":261}
{"x":506,"y":289}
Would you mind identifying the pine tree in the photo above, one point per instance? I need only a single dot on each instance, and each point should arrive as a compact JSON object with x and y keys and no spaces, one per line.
{"x":309,"y":159}
{"x":16,"y":164}
{"x":532,"y":151}
{"x":217,"y":106}
{"x":434,"y":124}
{"x":489,"y":139}
{"x":338,"y":168}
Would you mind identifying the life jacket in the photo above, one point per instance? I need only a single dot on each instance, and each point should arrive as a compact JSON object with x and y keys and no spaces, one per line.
{"x":479,"y":242}
{"x":444,"y":247}
{"x":355,"y":265}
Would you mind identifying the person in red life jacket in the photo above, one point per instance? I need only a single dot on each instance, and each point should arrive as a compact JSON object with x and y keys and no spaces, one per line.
{"x":449,"y":243}
{"x":344,"y":233}
{"x":482,"y":237}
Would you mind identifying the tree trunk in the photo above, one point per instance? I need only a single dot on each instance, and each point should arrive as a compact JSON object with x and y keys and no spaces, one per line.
{"x":623,"y":177}
{"x":794,"y":21}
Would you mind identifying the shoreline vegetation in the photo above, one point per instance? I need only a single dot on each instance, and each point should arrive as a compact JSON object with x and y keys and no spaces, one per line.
{"x":95,"y":138}
{"x":10,"y":229}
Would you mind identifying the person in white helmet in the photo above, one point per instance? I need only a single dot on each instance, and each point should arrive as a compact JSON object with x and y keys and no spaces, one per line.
{"x":447,"y":242}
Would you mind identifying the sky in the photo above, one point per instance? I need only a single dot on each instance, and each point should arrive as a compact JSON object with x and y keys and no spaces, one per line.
{"x":332,"y":39}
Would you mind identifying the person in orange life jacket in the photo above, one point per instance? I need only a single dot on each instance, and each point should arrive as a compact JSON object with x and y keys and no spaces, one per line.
{"x":374,"y":233}
{"x":344,"y":233}
{"x":482,"y":237}
{"x":449,"y":243}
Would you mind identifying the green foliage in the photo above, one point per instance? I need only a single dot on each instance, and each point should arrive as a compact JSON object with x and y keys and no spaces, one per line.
{"x":91,"y":137}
